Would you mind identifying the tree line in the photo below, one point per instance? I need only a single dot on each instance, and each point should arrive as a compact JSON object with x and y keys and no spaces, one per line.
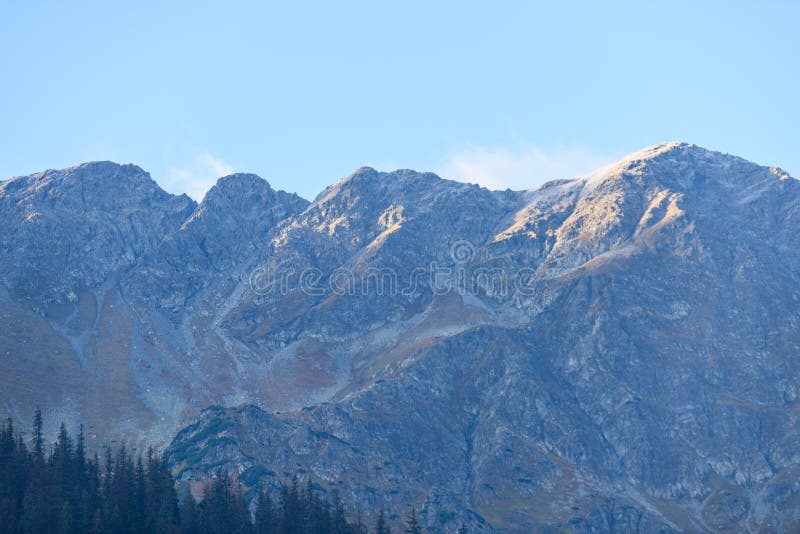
{"x":66,"y":490}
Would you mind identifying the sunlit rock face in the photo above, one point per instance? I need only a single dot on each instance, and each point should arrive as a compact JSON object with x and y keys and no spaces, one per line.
{"x":614,"y":352}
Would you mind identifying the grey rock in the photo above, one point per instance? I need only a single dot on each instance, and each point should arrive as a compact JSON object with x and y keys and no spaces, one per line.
{"x":612,"y":353}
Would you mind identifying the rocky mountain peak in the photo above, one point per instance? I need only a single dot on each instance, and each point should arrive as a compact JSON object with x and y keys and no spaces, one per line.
{"x":362,"y":173}
{"x":400,"y":183}
{"x":104,"y":169}
{"x":679,"y":165}
{"x":99,"y":218}
{"x":369,"y":206}
{"x":224,"y":233}
{"x":247,"y":197}
{"x":95,"y":187}
{"x":238,"y":185}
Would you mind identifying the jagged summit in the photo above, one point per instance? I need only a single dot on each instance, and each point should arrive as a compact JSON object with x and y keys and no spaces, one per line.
{"x":104,"y":166}
{"x":664,"y":148}
{"x":235,"y":187}
{"x":88,"y":169}
{"x":95,"y":186}
{"x":400,"y":183}
{"x":241,"y":180}
{"x":114,"y":174}
{"x":684,"y":166}
{"x":682,"y":155}
{"x":653,"y":152}
{"x":98,"y":185}
{"x":398,"y":178}
{"x":243,"y":195}
{"x":365,"y":170}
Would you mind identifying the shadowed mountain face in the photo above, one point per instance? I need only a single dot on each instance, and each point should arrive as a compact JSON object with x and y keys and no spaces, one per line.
{"x":613,"y":352}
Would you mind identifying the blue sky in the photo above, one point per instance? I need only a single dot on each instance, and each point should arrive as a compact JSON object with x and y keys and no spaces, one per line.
{"x":504,"y":93}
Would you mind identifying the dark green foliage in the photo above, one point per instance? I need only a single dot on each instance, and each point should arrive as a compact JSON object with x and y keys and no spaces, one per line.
{"x":66,"y":492}
{"x":297,"y":511}
{"x":412,"y":523}
{"x":382,"y":527}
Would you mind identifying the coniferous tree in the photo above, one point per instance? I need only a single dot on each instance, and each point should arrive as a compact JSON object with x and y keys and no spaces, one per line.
{"x":412,"y":523}
{"x":223,"y":509}
{"x":382,"y":527}
{"x":35,"y":510}
{"x":359,"y":527}
{"x":340,"y":525}
{"x":63,"y":491}
{"x":38,"y":440}
{"x":190,"y":515}
{"x":265,"y":517}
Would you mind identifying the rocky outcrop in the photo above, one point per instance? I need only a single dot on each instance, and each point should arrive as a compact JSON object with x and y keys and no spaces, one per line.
{"x":229,"y":227}
{"x":61,"y":231}
{"x":112,"y":292}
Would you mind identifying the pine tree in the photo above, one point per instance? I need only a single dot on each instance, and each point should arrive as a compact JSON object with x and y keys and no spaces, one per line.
{"x":289,"y":502}
{"x":412,"y":524}
{"x":38,"y":441}
{"x":66,"y":492}
{"x":340,"y":525}
{"x":139,"y":517}
{"x":359,"y":527}
{"x":189,"y":515}
{"x":382,"y":527}
{"x":265,"y":519}
{"x":65,"y":523}
{"x":35,"y":513}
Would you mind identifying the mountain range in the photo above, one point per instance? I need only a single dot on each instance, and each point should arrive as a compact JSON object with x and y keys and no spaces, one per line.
{"x":614,"y":352}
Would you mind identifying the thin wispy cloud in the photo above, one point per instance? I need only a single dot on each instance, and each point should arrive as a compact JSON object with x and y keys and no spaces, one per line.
{"x":522,"y":167}
{"x":196,"y":178}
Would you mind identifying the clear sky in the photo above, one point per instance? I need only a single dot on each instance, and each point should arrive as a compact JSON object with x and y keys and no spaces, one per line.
{"x":301,"y":93}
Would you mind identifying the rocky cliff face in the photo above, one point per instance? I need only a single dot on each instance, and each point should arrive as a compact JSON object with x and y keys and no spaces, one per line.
{"x":110,"y":292}
{"x":60,"y":230}
{"x":615,"y":352}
